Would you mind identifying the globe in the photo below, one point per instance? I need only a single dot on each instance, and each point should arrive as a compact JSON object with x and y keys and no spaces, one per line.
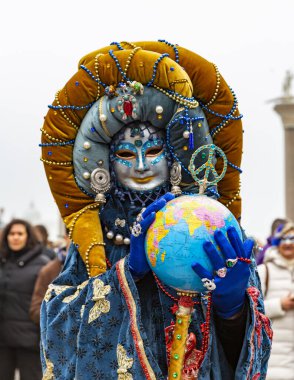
{"x":175,"y":239}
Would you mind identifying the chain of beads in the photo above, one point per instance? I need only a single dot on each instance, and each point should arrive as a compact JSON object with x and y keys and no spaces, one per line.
{"x":235,"y":167}
{"x":210,"y":190}
{"x":247,"y":261}
{"x":87,"y":257}
{"x":218,"y":77}
{"x":179,"y":81}
{"x":155,"y":66}
{"x":70,"y":107}
{"x":228,"y":116}
{"x":174,"y":47}
{"x":162,"y":288}
{"x":116,"y":61}
{"x":102,"y":120}
{"x":64,"y":143}
{"x":49,"y":136}
{"x":236,"y":195}
{"x":213,"y":192}
{"x":117,"y":44}
{"x":65,"y":163}
{"x":206,"y":327}
{"x":89,"y":207}
{"x":189,"y":103}
{"x":96,"y":66}
{"x":89,"y":72}
{"x":82,"y":189}
{"x":108,"y":263}
{"x":129,"y":43}
{"x":130,"y":58}
{"x":170,"y":147}
{"x":71,"y":197}
{"x":219,"y":127}
{"x":181,"y":96}
{"x":62,"y":112}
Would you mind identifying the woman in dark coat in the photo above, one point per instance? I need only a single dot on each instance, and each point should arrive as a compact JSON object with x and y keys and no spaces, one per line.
{"x":21,"y":259}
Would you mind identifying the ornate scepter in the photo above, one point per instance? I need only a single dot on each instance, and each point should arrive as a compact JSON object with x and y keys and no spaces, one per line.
{"x":178,"y":353}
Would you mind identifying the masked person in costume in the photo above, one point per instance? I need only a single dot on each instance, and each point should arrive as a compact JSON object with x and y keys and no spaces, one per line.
{"x":116,"y":145}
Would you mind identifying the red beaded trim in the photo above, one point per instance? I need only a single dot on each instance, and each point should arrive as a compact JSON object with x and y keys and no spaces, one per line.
{"x":248,"y":261}
{"x":205,"y":327}
{"x":108,"y":263}
{"x":131,"y":304}
{"x":186,"y":301}
{"x":162,"y":288}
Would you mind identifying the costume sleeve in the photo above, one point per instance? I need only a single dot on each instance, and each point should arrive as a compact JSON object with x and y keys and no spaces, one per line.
{"x":92,"y":328}
{"x":256,"y":347}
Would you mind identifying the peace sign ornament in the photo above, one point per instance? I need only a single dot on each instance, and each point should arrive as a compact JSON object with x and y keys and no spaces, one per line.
{"x":207,"y":167}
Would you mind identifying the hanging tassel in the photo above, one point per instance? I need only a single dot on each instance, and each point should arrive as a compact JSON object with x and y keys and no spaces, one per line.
{"x":191,"y":137}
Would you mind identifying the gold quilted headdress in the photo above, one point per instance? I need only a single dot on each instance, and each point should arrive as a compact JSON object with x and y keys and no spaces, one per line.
{"x":177,"y":73}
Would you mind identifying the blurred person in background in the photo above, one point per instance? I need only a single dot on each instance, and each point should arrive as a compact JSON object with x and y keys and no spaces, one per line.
{"x":21,"y":259}
{"x":276,"y":227}
{"x":42,"y":235}
{"x":46,"y":275}
{"x":277,"y":281}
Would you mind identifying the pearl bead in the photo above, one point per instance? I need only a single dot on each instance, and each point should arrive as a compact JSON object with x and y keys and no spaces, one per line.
{"x":109,"y":235}
{"x":127,"y":241}
{"x":186,"y":134}
{"x":86,"y":175}
{"x":119,"y":238}
{"x":87,"y":145}
{"x":103,"y":117}
{"x":159,"y":109}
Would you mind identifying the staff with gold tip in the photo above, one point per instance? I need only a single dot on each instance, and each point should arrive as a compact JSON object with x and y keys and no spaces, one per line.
{"x":185,"y":304}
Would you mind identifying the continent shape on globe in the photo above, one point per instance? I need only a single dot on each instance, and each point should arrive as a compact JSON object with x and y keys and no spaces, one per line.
{"x":175,"y":239}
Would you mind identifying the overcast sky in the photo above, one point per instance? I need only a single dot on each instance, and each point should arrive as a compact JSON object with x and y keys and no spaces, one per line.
{"x":252,"y":43}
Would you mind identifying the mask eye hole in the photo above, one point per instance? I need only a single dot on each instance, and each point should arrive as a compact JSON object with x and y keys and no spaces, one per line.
{"x":125,"y":154}
{"x":153,"y":152}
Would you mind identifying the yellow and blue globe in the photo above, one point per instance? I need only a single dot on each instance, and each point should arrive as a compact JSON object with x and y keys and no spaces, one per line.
{"x":175,"y":239}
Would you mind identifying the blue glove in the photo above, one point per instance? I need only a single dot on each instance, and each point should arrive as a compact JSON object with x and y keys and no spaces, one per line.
{"x":138,"y":264}
{"x":229,"y":295}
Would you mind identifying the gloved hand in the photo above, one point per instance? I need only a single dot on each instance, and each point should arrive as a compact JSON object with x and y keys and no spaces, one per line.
{"x":232,"y":280}
{"x":138,"y":264}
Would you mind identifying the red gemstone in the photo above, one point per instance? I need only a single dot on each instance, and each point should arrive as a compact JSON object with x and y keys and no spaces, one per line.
{"x":128,"y":107}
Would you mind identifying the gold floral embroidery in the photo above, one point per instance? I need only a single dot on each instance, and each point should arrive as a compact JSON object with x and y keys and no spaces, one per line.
{"x":48,"y":374}
{"x":101,"y":304}
{"x":58,"y":289}
{"x":68,"y":299}
{"x":124,"y":363}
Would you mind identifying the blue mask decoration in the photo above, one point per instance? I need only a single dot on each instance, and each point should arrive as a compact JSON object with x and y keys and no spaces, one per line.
{"x":140,"y":161}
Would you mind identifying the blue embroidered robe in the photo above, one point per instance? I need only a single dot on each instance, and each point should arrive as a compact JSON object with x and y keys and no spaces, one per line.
{"x":109,"y":327}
